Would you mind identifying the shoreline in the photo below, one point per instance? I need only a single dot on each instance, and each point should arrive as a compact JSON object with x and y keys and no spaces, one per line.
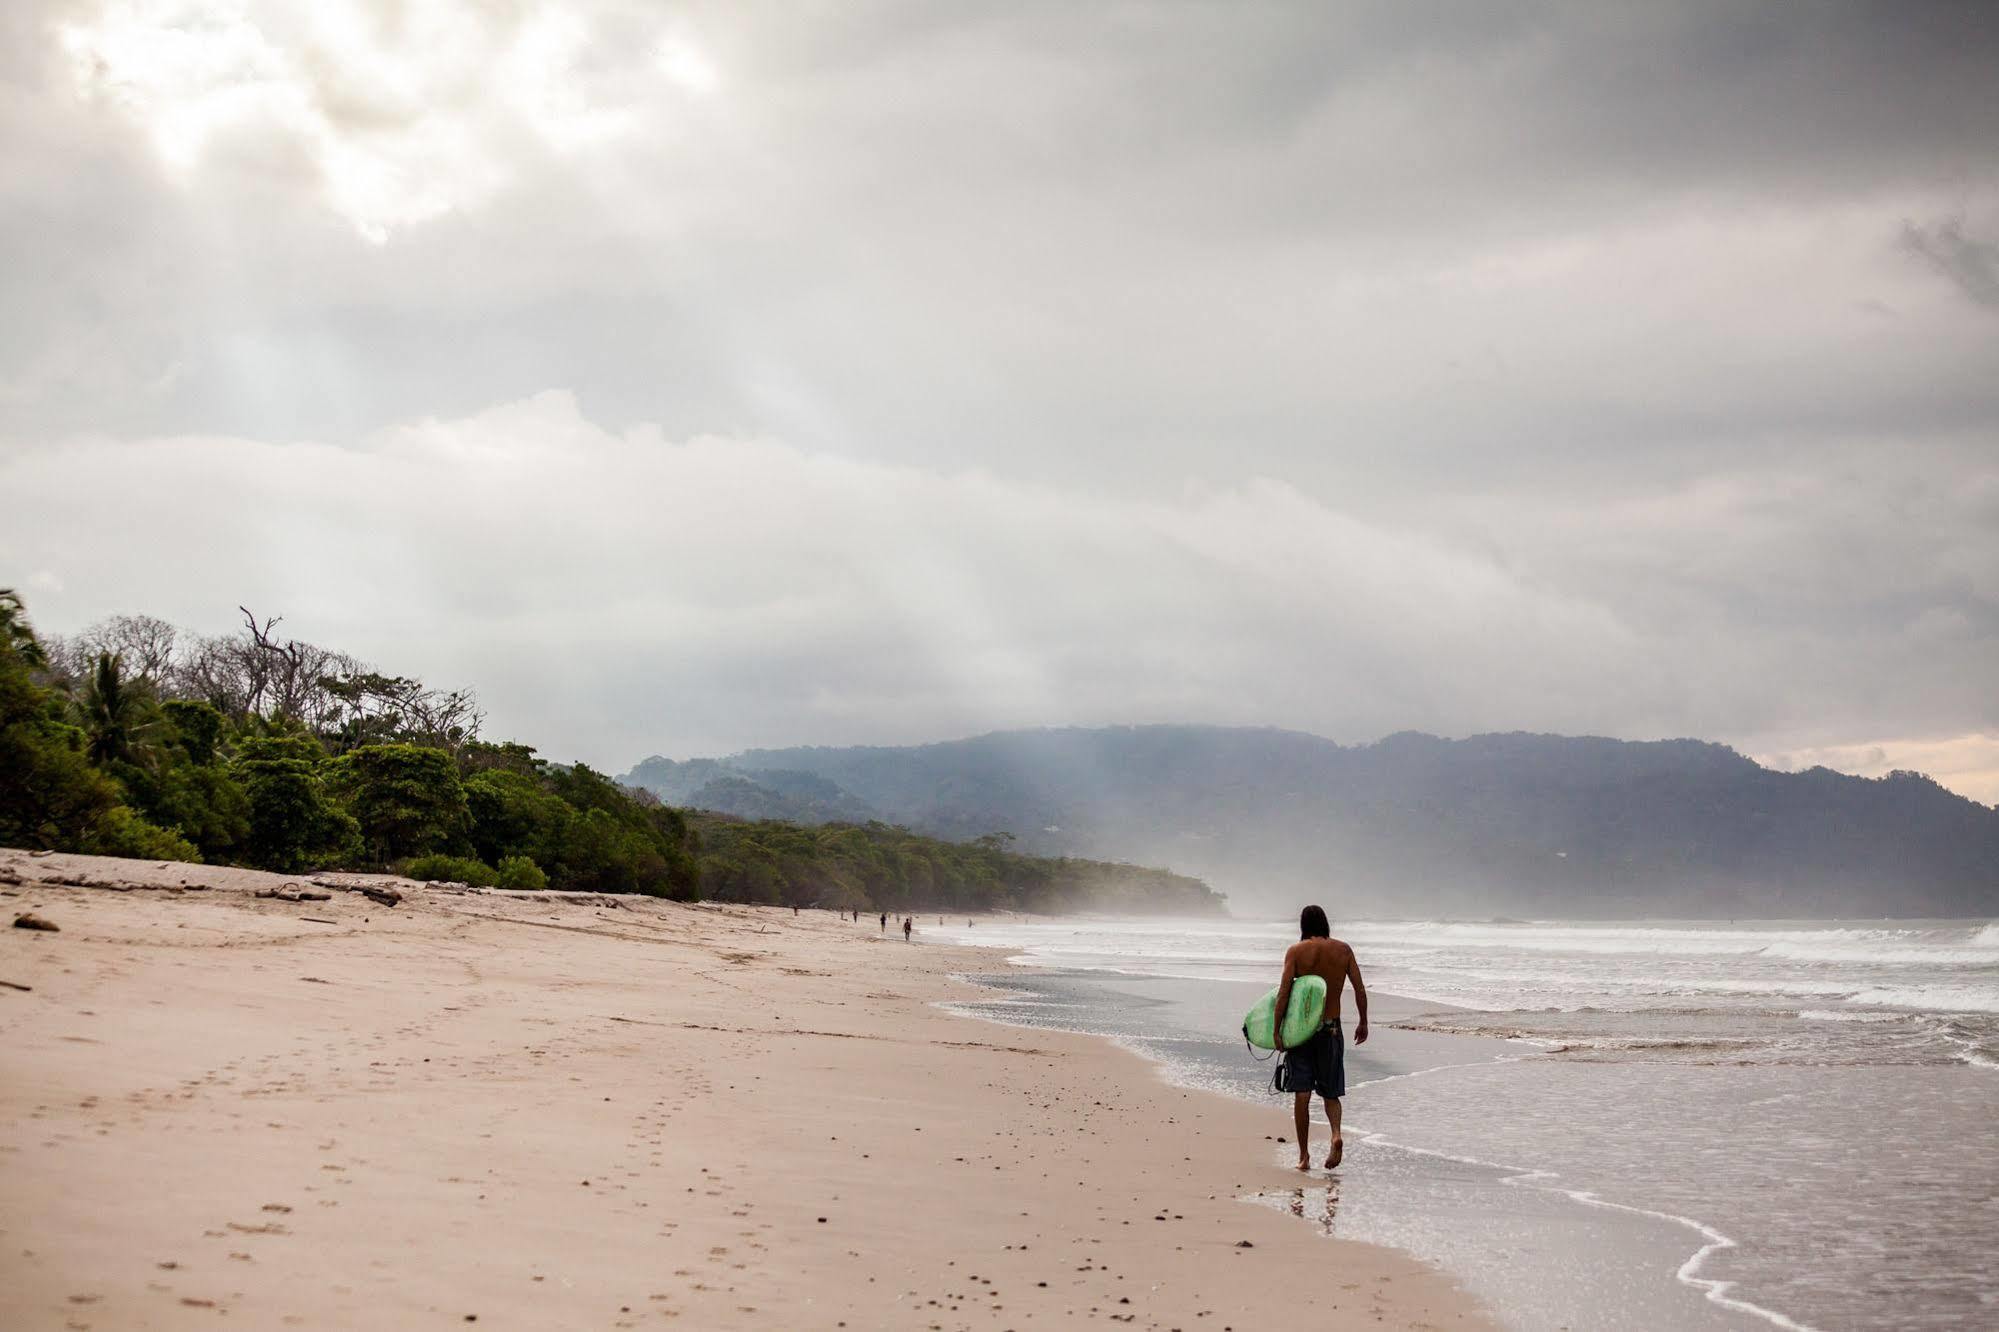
{"x":1777,"y":1036}
{"x":1671,"y":1247}
{"x":526,"y":1110}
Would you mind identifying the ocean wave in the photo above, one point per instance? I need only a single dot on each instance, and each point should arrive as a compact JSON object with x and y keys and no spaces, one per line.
{"x":1657,"y":1044}
{"x":1887,"y":953}
{"x":1962,"y":945}
{"x":1407,"y":942}
{"x":1933,"y":998}
{"x":1973,"y":1038}
{"x":1583,"y":991}
{"x":1822,"y":968}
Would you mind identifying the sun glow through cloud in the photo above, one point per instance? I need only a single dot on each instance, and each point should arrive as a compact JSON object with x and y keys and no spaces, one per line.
{"x":405,"y":116}
{"x":689,"y":68}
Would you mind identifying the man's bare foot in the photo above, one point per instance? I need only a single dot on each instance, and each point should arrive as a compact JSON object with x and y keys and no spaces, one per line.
{"x":1304,"y":1162}
{"x":1333,"y":1157}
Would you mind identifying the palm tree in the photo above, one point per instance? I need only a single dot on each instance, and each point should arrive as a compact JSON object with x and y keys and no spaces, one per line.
{"x":14,"y":630}
{"x":114,"y":714}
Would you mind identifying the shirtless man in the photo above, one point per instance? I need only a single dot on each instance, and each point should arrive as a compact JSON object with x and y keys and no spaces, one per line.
{"x":1320,"y":1063}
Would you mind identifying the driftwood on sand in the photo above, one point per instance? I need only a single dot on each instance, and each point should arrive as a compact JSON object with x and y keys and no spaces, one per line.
{"x":291,"y":892}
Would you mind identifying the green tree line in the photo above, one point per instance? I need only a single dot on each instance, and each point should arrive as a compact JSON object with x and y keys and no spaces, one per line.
{"x":134,"y":739}
{"x":874,"y":867}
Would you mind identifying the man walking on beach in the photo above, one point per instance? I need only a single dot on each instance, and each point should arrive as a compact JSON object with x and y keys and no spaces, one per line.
{"x":907,"y":925}
{"x":1320,"y":1063}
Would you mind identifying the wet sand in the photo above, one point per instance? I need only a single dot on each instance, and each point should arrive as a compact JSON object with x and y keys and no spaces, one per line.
{"x":527,"y":1111}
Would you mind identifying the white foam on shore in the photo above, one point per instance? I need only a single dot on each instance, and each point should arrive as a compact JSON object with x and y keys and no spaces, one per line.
{"x":1714,"y":1289}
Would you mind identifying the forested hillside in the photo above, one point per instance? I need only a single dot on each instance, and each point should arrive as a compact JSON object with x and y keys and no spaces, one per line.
{"x":874,"y":866}
{"x":1513,"y":824}
{"x":138,"y":739}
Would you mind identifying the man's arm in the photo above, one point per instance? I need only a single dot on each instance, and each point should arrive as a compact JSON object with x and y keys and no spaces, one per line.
{"x":1359,"y":998}
{"x":1284,"y":995}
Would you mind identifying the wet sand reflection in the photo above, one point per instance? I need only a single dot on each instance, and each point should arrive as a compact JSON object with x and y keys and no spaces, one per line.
{"x":1319,"y":1206}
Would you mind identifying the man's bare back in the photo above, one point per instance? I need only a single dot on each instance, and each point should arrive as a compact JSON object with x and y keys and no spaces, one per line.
{"x":1332,"y":961}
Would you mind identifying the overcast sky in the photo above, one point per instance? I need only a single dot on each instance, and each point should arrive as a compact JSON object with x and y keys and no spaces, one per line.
{"x":687,"y":378}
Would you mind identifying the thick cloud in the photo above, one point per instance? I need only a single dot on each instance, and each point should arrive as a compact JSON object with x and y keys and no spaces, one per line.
{"x":611,"y":592}
{"x":1629,"y":369}
{"x":721,"y":591}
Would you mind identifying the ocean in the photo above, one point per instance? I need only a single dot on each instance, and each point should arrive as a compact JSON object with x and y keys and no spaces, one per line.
{"x":1646,"y":1125}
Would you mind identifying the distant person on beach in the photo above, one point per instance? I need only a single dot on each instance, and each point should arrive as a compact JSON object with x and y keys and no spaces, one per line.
{"x":1320,"y":1063}
{"x":908,"y":924}
{"x":884,"y":922}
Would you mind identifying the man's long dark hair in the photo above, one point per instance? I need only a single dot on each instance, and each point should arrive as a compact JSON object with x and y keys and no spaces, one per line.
{"x":1312,"y":923}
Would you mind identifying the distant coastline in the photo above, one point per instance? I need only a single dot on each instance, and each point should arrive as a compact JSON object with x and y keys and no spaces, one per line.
{"x":1514,"y":824}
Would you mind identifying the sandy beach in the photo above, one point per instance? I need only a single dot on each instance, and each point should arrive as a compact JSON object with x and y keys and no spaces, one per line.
{"x":221,"y":1109}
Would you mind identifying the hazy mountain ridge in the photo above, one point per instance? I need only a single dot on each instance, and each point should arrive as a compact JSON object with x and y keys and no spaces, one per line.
{"x":1504,"y":822}
{"x":771,"y":793}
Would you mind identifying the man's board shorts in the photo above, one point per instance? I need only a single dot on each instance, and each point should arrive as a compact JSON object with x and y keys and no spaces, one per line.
{"x":1319,"y":1065}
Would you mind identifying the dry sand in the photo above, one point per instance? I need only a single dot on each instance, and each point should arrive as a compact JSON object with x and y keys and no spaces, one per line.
{"x":539,"y":1112}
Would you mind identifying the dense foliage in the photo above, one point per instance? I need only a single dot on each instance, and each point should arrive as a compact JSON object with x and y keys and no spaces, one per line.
{"x":50,"y":792}
{"x":135,"y":739}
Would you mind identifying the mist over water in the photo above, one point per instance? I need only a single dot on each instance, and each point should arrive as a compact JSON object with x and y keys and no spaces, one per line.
{"x":1927,"y":991}
{"x":1823,"y":1096}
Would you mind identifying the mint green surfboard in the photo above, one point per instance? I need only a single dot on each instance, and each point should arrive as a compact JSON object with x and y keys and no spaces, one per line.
{"x":1308,"y":1005}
